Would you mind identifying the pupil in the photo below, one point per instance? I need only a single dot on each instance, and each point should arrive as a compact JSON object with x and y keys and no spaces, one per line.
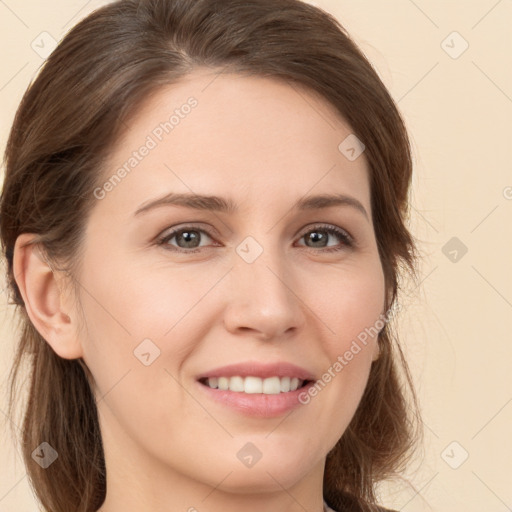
{"x":189,"y":237}
{"x":316,"y":237}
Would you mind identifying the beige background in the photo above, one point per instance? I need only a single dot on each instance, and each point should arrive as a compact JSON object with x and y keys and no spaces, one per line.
{"x":456,"y":325}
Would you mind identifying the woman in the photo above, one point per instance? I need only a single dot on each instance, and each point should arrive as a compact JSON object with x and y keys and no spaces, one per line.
{"x":203,"y":217}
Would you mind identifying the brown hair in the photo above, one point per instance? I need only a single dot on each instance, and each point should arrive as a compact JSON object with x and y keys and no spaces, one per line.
{"x":69,"y":119}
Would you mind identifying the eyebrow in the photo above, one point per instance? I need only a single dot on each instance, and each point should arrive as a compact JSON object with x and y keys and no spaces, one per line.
{"x":226,"y":205}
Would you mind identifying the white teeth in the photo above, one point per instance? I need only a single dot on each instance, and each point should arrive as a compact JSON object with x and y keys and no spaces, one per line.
{"x":223,"y":383}
{"x":272,"y":386}
{"x":236,"y":384}
{"x":285,"y":384}
{"x":252,"y":385}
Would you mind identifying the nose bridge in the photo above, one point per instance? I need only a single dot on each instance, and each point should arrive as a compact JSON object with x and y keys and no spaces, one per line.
{"x":262,"y":288}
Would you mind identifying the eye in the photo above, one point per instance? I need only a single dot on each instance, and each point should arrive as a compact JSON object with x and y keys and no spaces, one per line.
{"x":319,"y":237}
{"x":187,"y":238}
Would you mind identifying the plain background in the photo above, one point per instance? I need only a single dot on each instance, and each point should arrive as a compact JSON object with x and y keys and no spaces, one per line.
{"x":455,"y":93}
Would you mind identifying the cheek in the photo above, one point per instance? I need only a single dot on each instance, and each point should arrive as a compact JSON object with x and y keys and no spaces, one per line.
{"x":350,"y":309}
{"x":350,"y":304}
{"x":127,"y":302}
{"x":139,"y":329}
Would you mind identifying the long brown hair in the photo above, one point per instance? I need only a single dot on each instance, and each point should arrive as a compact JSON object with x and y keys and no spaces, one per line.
{"x":69,"y":119}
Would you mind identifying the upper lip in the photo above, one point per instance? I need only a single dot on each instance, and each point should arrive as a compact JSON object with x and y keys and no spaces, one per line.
{"x":262,"y":370}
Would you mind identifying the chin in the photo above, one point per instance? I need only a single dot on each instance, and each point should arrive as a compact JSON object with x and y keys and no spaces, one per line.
{"x":265,"y":480}
{"x":268,"y":474}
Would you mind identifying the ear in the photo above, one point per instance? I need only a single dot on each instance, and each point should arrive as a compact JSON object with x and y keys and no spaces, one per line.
{"x":43,"y":298}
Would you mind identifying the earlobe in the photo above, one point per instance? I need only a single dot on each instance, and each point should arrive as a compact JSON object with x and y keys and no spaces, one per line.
{"x":39,"y":288}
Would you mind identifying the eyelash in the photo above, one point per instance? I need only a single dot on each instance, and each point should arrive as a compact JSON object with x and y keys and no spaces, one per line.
{"x":348,"y":240}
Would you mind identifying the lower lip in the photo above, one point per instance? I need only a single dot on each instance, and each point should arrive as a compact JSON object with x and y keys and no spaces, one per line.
{"x":257,"y":404}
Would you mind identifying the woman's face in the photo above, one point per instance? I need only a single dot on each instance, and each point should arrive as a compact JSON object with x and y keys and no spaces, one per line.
{"x":264,"y":282}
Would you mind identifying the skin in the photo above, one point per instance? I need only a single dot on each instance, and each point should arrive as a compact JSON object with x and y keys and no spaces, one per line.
{"x":264,"y":144}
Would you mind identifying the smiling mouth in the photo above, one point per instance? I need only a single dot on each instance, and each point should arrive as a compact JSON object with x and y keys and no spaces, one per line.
{"x":254,"y":385}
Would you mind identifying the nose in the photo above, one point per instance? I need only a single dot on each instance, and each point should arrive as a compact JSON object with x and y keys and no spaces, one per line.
{"x":263,"y":298}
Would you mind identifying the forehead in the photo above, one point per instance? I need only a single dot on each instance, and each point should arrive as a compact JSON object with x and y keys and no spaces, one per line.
{"x":242,"y":135}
